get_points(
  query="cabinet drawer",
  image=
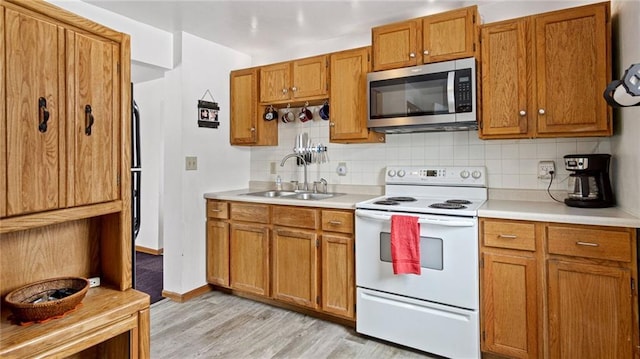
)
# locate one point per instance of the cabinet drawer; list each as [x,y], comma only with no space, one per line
[509,234]
[337,221]
[296,217]
[217,209]
[590,243]
[256,213]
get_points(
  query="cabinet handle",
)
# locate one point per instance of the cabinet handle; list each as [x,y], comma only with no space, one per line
[332,124]
[284,91]
[88,120]
[215,210]
[412,55]
[337,223]
[425,52]
[541,111]
[253,129]
[43,114]
[507,236]
[523,113]
[294,89]
[588,244]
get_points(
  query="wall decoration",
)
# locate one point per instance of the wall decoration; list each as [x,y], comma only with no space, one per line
[208,112]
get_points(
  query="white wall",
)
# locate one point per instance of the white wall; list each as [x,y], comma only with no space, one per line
[625,145]
[204,65]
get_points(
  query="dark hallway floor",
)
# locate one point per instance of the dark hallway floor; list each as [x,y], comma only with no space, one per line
[149,275]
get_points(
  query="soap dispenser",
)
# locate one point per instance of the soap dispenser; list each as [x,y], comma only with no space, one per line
[278,183]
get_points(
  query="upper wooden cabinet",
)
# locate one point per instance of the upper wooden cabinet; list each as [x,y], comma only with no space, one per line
[348,122]
[299,80]
[247,126]
[543,76]
[446,36]
[63,114]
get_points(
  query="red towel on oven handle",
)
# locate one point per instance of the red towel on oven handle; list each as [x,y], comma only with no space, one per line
[405,244]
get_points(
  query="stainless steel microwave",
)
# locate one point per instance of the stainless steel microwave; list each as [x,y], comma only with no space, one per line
[432,97]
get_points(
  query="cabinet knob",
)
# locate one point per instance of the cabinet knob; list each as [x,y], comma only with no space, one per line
[425,52]
[541,111]
[294,89]
[523,113]
[253,129]
[332,124]
[284,91]
[412,55]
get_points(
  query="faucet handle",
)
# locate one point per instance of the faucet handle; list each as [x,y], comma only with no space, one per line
[324,184]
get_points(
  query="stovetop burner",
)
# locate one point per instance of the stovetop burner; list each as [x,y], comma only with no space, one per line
[386,202]
[458,201]
[448,205]
[401,199]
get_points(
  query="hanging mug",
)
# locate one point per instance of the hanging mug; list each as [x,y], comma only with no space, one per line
[270,113]
[305,114]
[324,111]
[288,116]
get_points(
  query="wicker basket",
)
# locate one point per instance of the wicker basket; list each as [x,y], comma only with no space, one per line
[49,298]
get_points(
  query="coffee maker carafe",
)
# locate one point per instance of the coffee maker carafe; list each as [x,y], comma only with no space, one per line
[589,185]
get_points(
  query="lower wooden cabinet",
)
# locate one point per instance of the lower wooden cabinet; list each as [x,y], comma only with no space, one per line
[295,263]
[302,256]
[249,258]
[558,290]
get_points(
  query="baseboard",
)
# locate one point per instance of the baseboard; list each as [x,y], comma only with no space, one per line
[181,298]
[155,252]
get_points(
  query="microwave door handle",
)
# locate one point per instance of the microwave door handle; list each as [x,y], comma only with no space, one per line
[451,91]
[438,222]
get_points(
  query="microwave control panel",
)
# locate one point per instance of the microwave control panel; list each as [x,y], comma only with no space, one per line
[463,90]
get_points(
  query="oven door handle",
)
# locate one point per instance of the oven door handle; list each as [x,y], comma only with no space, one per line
[440,222]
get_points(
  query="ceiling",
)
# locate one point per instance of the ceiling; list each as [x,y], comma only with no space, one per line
[256,27]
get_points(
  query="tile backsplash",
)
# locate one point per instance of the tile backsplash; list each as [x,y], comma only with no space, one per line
[510,163]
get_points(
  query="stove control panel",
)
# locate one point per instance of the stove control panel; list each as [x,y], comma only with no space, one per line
[471,176]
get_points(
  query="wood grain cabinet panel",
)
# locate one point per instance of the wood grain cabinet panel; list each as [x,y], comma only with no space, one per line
[35,159]
[217,209]
[337,221]
[590,243]
[395,45]
[246,124]
[543,75]
[295,266]
[249,258]
[300,217]
[250,212]
[338,277]
[218,252]
[298,80]
[509,234]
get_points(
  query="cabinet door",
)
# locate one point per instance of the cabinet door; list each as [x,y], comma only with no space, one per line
[349,97]
[244,99]
[450,35]
[249,258]
[274,82]
[338,280]
[34,70]
[506,61]
[93,97]
[573,67]
[295,261]
[589,311]
[310,77]
[395,45]
[509,300]
[218,252]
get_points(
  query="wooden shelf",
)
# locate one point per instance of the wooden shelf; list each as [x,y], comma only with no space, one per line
[104,314]
[21,223]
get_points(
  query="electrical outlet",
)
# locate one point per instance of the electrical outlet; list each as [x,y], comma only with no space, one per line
[94,282]
[272,168]
[544,167]
[191,163]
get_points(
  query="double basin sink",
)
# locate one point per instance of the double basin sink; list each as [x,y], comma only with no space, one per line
[309,196]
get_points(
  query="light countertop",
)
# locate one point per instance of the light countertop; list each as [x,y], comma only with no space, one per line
[345,201]
[557,212]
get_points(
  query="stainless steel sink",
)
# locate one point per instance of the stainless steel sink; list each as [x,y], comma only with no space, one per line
[307,196]
[271,194]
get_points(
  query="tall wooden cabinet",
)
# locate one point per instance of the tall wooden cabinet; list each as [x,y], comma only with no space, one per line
[246,125]
[446,36]
[542,76]
[65,192]
[558,290]
[348,93]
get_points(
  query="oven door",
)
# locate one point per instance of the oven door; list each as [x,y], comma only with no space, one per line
[449,258]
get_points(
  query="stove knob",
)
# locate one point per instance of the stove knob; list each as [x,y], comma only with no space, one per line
[476,174]
[401,173]
[391,173]
[464,174]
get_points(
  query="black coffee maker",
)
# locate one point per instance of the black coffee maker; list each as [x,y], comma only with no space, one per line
[589,185]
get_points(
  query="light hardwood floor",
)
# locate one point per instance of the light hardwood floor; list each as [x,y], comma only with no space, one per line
[218,325]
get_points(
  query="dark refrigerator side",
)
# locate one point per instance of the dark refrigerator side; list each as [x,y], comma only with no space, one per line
[136,182]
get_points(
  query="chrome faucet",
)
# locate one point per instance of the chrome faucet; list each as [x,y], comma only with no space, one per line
[305,186]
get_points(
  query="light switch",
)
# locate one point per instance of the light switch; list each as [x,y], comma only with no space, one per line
[191,163]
